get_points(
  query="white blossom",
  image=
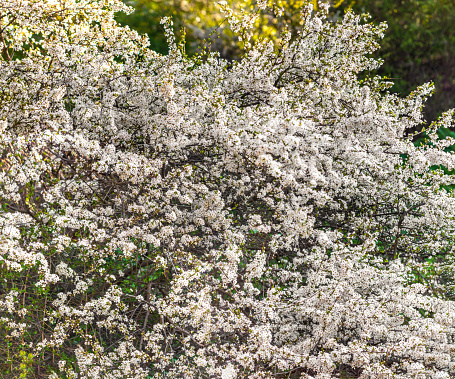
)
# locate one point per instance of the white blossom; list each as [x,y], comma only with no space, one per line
[169,216]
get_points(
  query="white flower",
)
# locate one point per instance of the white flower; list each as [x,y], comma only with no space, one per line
[213,218]
[228,372]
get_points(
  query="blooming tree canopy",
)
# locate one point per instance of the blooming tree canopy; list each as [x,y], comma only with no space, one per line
[190,217]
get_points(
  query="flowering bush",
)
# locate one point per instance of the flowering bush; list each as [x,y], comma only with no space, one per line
[189,217]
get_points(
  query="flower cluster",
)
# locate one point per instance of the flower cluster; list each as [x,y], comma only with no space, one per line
[174,216]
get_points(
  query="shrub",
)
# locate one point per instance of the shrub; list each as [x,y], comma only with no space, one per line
[173,216]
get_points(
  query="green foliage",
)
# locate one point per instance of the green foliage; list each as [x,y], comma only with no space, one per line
[195,18]
[418,46]
[146,20]
[202,22]
[19,365]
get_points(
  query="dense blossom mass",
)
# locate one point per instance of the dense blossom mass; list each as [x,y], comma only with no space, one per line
[166,216]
